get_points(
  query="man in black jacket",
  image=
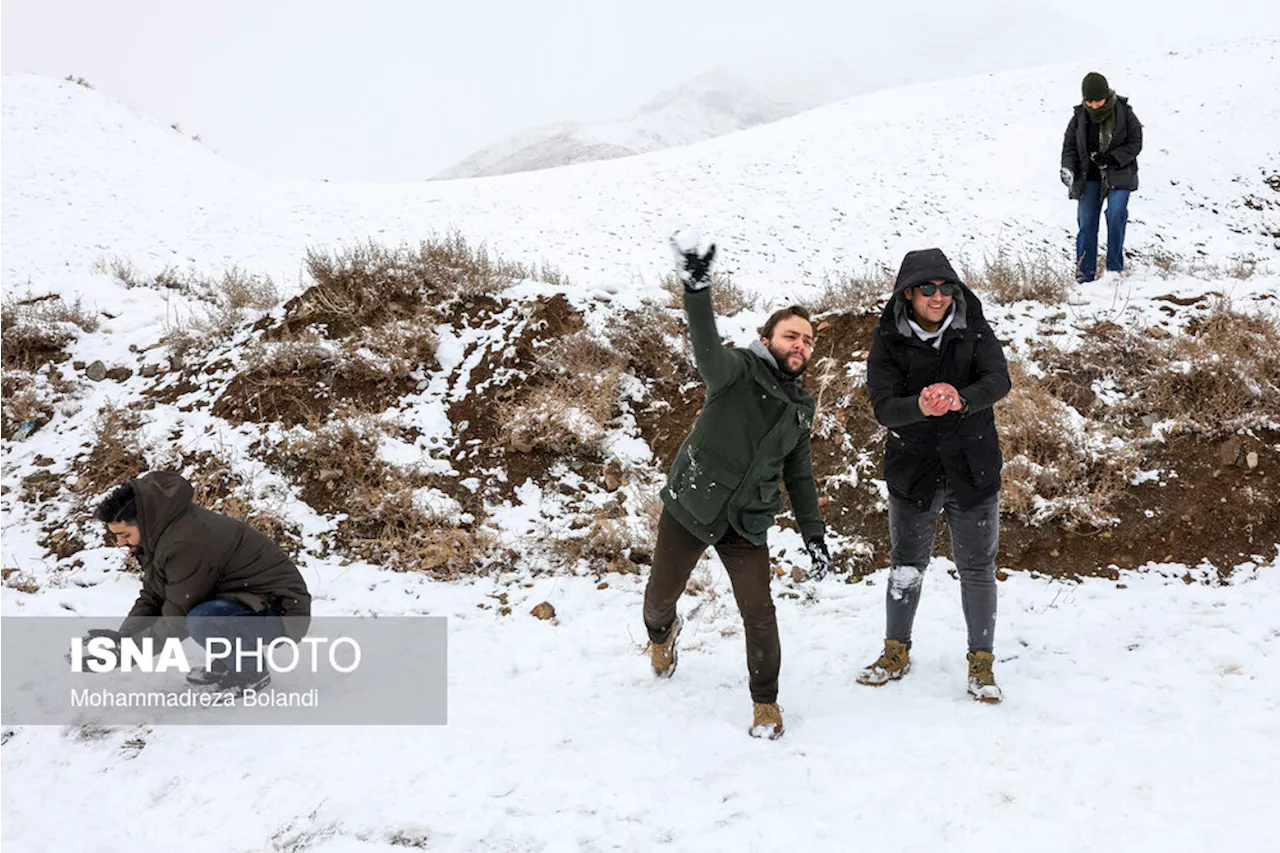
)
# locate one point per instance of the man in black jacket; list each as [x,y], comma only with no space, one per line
[1100,159]
[934,373]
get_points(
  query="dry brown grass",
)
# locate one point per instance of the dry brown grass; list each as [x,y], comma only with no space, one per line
[1223,375]
[368,282]
[616,544]
[727,298]
[854,293]
[386,522]
[574,396]
[35,331]
[23,403]
[301,381]
[1036,278]
[1051,470]
[116,453]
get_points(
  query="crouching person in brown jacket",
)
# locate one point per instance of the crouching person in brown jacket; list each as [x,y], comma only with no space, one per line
[207,576]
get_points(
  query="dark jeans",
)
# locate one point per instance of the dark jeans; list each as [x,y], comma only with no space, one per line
[975,537]
[1088,213]
[674,557]
[228,620]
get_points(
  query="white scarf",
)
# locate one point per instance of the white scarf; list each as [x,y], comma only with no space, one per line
[935,337]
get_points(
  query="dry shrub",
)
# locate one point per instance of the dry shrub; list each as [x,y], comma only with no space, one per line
[399,533]
[300,382]
[23,404]
[115,455]
[575,395]
[1052,471]
[1222,375]
[653,342]
[386,522]
[727,298]
[34,331]
[367,283]
[850,293]
[1037,278]
[609,545]
[230,299]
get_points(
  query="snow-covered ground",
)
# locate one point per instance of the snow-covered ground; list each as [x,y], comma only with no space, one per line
[1140,713]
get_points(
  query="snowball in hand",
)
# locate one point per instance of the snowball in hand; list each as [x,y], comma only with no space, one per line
[687,240]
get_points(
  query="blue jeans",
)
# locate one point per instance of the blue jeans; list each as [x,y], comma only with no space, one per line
[221,618]
[1088,212]
[975,538]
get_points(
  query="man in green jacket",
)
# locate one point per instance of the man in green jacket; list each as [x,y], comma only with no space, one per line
[722,488]
[204,575]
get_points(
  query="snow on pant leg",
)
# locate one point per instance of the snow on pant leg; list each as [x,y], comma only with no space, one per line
[912,531]
[1088,212]
[1117,219]
[975,538]
[748,568]
[674,556]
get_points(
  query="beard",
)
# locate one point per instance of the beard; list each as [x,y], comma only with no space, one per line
[783,358]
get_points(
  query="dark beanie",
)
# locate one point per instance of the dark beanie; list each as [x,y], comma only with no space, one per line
[1094,87]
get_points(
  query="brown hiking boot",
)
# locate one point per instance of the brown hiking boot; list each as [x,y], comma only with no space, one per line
[893,663]
[767,721]
[664,656]
[982,681]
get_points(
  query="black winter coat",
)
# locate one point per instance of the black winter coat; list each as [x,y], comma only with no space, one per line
[963,447]
[1126,143]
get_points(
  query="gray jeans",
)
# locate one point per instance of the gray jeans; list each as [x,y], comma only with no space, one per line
[975,537]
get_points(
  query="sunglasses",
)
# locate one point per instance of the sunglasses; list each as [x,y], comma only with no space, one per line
[930,289]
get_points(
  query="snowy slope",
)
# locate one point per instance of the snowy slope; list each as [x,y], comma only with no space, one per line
[1140,711]
[708,106]
[834,188]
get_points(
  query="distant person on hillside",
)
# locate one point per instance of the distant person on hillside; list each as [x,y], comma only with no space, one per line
[722,489]
[1100,160]
[934,374]
[204,574]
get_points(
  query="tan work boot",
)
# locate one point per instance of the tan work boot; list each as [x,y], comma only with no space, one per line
[982,681]
[893,663]
[768,721]
[664,656]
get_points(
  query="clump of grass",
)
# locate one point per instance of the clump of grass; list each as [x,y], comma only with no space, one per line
[1052,470]
[1034,277]
[575,394]
[727,298]
[35,331]
[854,293]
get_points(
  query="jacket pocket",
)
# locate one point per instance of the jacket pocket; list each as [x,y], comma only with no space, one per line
[703,485]
[982,453]
[761,513]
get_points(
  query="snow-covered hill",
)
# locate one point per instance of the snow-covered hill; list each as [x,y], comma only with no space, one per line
[711,105]
[839,187]
[1129,695]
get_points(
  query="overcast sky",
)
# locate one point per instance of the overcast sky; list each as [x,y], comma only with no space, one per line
[380,90]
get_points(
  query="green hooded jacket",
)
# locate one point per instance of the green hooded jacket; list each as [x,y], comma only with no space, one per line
[754,428]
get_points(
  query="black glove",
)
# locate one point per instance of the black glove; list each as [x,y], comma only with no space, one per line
[820,558]
[1109,160]
[114,636]
[694,269]
[1068,176]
